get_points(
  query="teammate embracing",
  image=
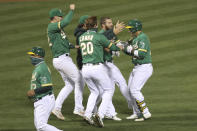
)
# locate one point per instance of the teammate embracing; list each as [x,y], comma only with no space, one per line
[139,48]
[60,47]
[110,32]
[91,45]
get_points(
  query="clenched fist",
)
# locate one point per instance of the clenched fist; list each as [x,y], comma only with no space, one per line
[72,6]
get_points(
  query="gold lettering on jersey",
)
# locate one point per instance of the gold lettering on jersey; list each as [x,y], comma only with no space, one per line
[63,34]
[86,38]
[135,46]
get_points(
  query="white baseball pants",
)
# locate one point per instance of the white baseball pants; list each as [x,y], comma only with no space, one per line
[99,84]
[42,111]
[72,78]
[118,79]
[137,79]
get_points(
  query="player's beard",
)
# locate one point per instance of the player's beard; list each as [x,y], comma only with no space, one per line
[108,27]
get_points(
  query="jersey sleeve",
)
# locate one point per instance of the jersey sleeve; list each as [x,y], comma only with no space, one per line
[67,19]
[107,44]
[53,27]
[142,48]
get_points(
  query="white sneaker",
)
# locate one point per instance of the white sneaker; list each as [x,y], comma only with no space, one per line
[99,120]
[115,118]
[131,117]
[58,114]
[80,113]
[147,115]
[144,117]
[88,120]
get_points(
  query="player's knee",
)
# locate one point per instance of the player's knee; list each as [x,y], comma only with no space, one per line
[134,92]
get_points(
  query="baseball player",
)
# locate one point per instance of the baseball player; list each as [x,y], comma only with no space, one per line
[60,47]
[91,45]
[78,32]
[41,90]
[113,71]
[139,48]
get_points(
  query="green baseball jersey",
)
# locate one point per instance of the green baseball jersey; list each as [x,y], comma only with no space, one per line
[142,51]
[57,38]
[41,77]
[109,34]
[92,44]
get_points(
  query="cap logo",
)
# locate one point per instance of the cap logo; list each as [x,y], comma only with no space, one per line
[129,27]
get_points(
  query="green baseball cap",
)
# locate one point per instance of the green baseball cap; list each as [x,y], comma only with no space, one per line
[134,25]
[55,12]
[37,51]
[82,19]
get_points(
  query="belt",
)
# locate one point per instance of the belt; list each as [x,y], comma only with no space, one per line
[92,63]
[137,64]
[39,98]
[66,54]
[108,61]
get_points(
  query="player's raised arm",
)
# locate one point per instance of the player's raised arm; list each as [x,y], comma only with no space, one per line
[67,19]
[57,21]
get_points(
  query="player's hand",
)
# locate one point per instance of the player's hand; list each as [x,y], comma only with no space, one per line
[118,27]
[130,49]
[107,49]
[72,6]
[31,93]
[120,46]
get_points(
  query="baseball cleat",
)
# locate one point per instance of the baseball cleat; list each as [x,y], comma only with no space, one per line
[115,118]
[58,114]
[139,119]
[88,120]
[133,116]
[147,115]
[80,113]
[99,121]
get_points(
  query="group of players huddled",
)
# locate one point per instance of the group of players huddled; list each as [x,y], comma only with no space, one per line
[95,52]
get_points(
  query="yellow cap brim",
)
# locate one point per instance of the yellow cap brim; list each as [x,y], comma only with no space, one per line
[129,27]
[31,53]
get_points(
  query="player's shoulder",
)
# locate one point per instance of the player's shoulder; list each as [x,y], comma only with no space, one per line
[101,31]
[41,67]
[143,37]
[99,34]
[51,26]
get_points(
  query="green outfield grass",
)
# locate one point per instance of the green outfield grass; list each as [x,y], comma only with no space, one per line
[170,93]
